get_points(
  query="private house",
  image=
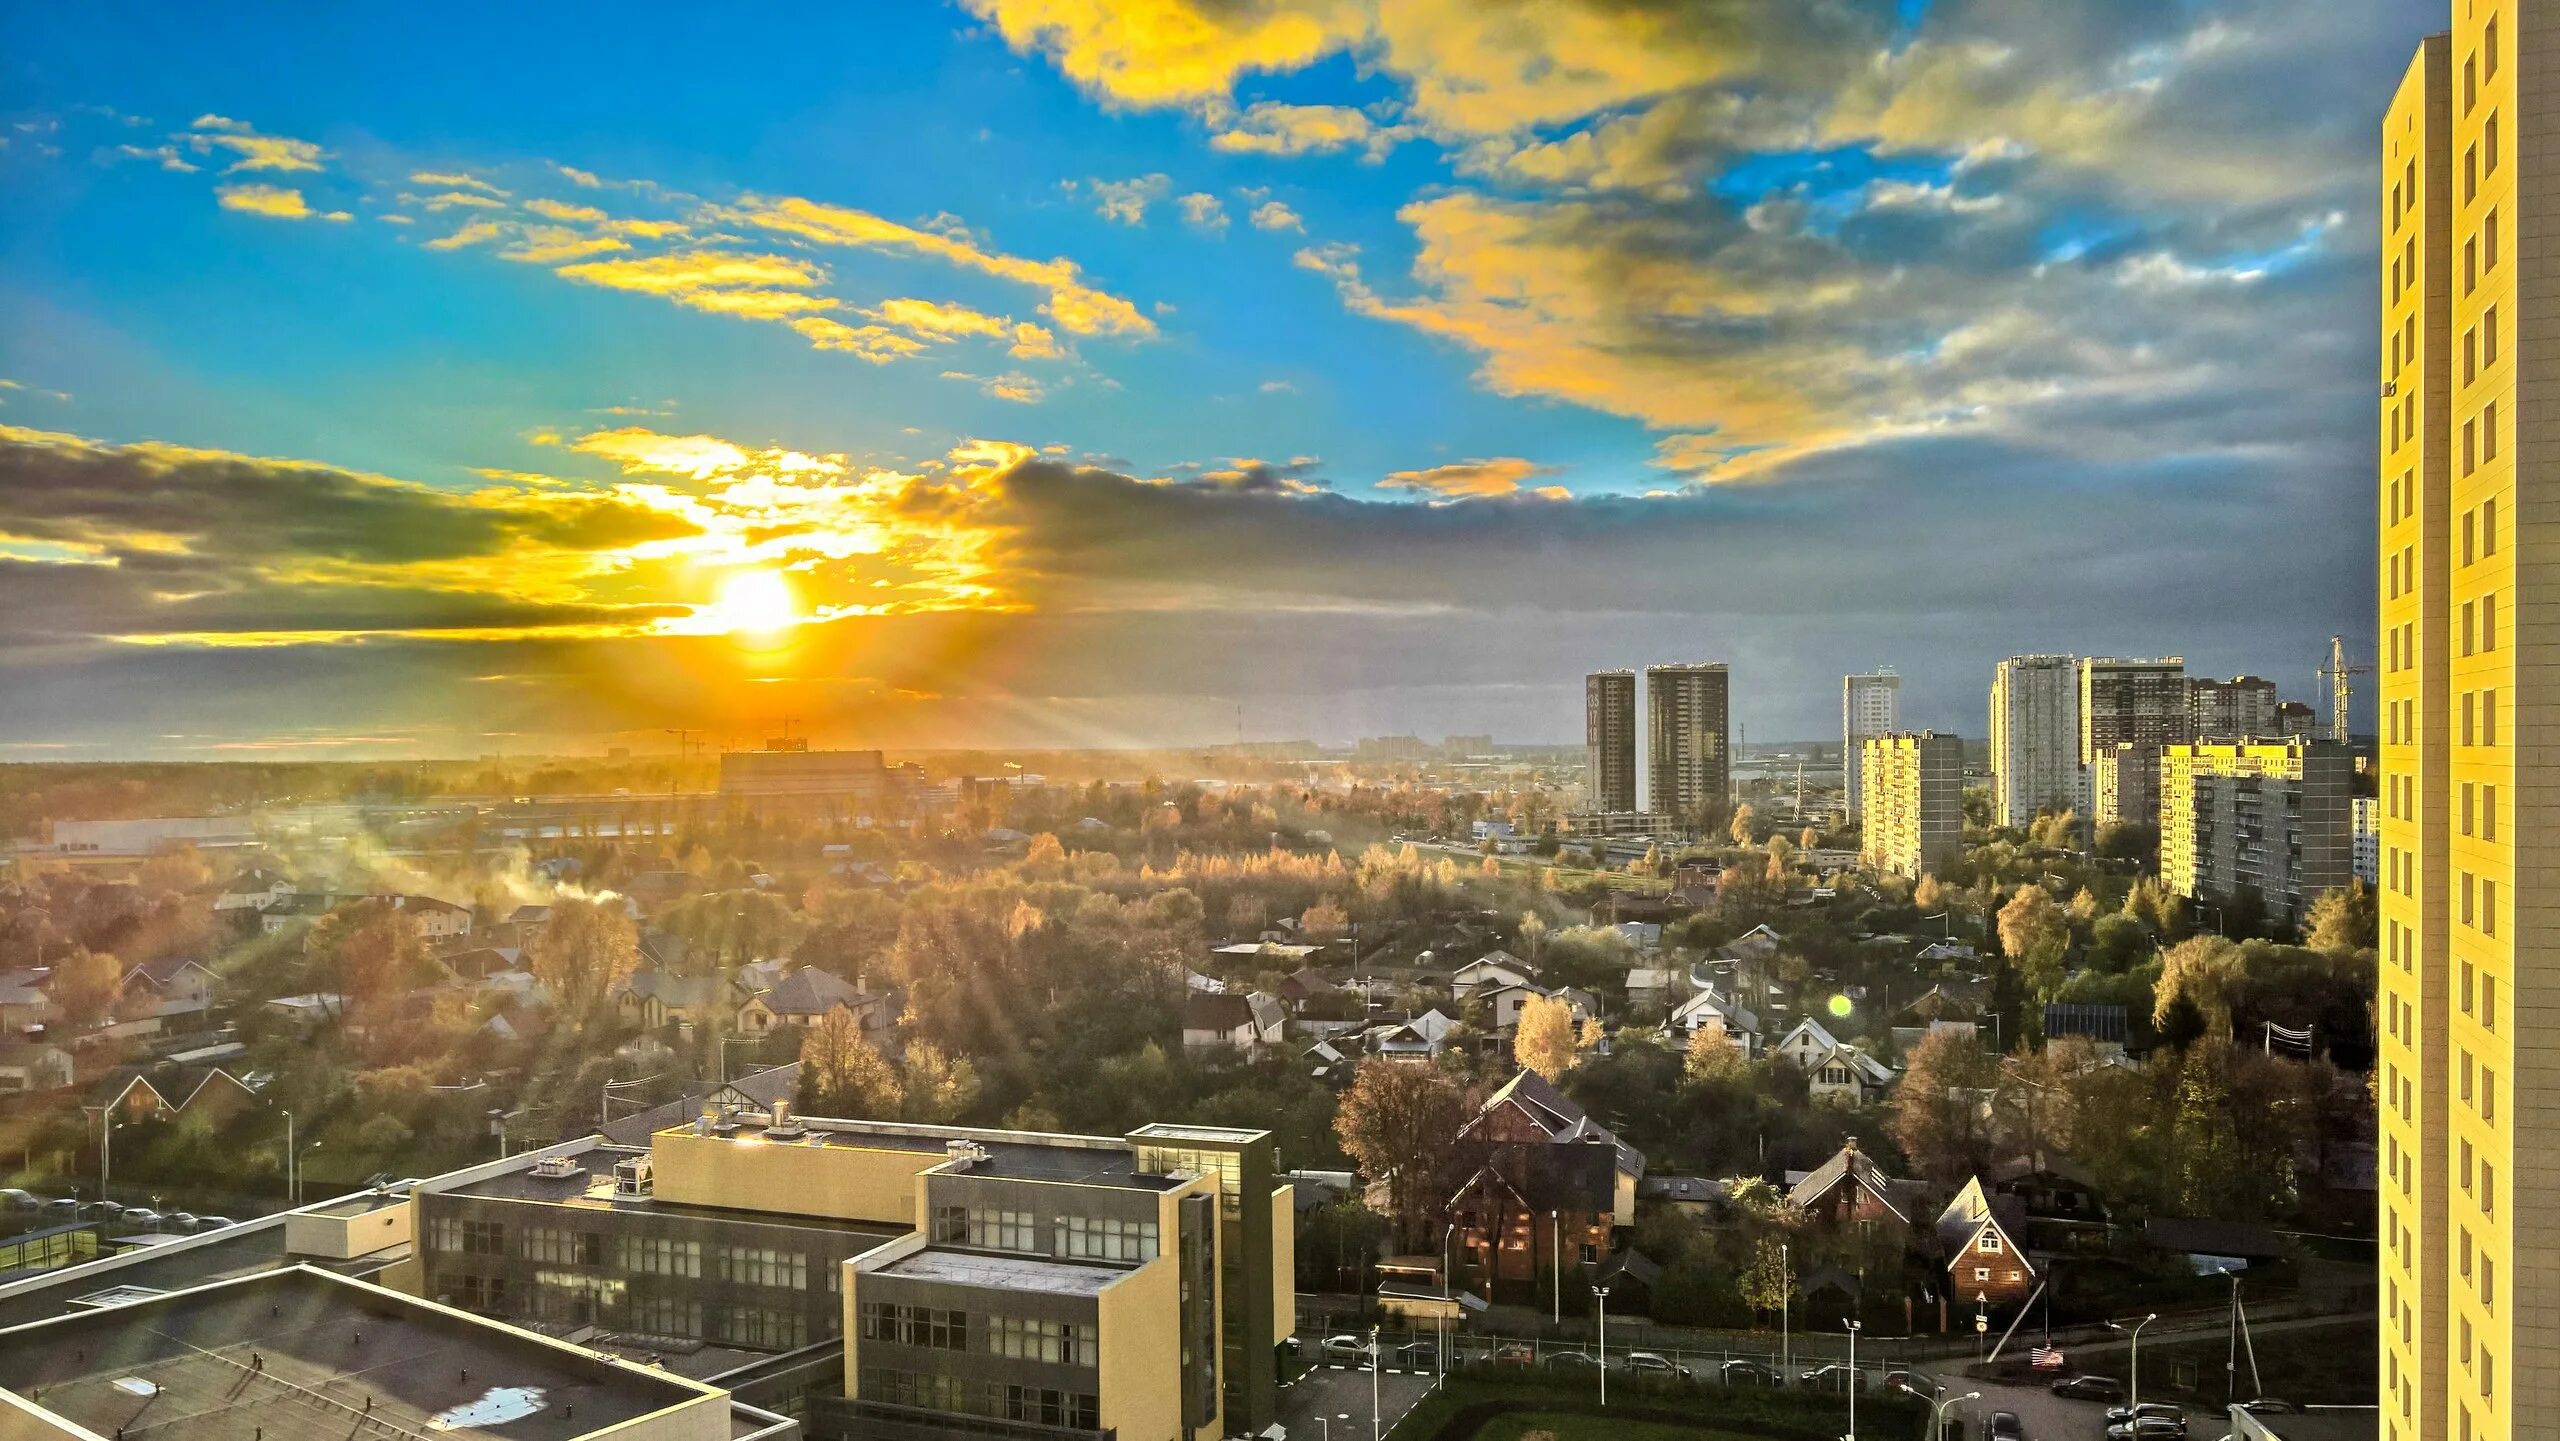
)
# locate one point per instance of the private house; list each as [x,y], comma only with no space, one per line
[1833,1068]
[1243,1023]
[24,1004]
[174,978]
[1653,987]
[26,1068]
[1695,1197]
[254,889]
[435,920]
[650,999]
[1983,1238]
[1301,986]
[804,995]
[1756,946]
[1708,1009]
[1492,971]
[1504,1003]
[1552,1190]
[1851,1189]
[1418,1038]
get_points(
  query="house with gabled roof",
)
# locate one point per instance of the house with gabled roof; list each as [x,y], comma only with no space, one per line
[1552,1190]
[1711,1009]
[1416,1038]
[174,978]
[1851,1187]
[1491,971]
[803,996]
[1834,1069]
[1982,1237]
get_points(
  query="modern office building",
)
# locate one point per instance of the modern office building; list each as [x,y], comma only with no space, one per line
[2469,1081]
[2035,736]
[787,778]
[2244,705]
[1914,803]
[2124,786]
[1609,733]
[2264,817]
[1688,729]
[1870,705]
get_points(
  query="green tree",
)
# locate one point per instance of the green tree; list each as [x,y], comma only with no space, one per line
[582,950]
[2207,974]
[2341,921]
[1399,1124]
[1937,1110]
[939,1087]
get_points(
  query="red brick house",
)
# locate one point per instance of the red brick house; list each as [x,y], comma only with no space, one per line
[1551,1190]
[1851,1187]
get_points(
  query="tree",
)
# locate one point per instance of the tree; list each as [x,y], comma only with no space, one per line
[840,1073]
[1765,1284]
[2206,973]
[174,872]
[1937,1108]
[1045,859]
[2036,934]
[939,1086]
[367,951]
[1543,1040]
[2341,921]
[2117,943]
[581,951]
[1929,897]
[85,985]
[1808,838]
[1712,1056]
[1743,821]
[1399,1124]
[1323,921]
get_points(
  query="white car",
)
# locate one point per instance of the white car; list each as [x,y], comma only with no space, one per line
[1349,1350]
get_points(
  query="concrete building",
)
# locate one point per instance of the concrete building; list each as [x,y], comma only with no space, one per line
[2367,812]
[1914,803]
[1609,731]
[786,778]
[1870,705]
[2124,786]
[1688,729]
[2131,702]
[2469,1077]
[2263,816]
[2035,736]
[2244,705]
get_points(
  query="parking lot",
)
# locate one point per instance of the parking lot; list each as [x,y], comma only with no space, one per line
[1331,1402]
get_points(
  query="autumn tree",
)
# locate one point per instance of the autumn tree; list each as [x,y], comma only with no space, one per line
[2036,934]
[1712,1056]
[174,872]
[85,985]
[840,1073]
[2204,972]
[1045,860]
[1808,838]
[1399,1123]
[2340,921]
[1543,1040]
[365,952]
[582,950]
[1937,1110]
[938,1087]
[1766,1282]
[1323,921]
[1929,897]
[1744,820]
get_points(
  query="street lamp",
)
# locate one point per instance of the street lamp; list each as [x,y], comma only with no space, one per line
[2135,1383]
[1853,1383]
[1938,1411]
[1602,1293]
[107,1127]
[1786,1312]
[1448,1309]
[1377,1362]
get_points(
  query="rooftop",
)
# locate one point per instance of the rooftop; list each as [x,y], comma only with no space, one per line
[1026,1155]
[1002,1272]
[301,1355]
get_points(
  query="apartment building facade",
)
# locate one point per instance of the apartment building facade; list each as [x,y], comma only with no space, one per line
[2270,818]
[1609,732]
[1914,803]
[2035,736]
[2244,705]
[2470,1087]
[1688,718]
[1870,705]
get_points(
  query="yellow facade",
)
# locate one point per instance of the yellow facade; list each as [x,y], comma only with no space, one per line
[2467,1080]
[1139,1328]
[792,1178]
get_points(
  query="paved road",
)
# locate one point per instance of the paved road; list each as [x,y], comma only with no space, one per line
[1331,1403]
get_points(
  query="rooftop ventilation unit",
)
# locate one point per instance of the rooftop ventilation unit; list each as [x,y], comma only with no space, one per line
[963,1153]
[558,1168]
[631,1178]
[783,1123]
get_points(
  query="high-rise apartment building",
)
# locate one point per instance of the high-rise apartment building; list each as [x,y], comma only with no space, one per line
[2469,1085]
[1914,803]
[1870,705]
[2244,705]
[1609,732]
[2264,817]
[2131,702]
[1688,715]
[2124,786]
[2035,736]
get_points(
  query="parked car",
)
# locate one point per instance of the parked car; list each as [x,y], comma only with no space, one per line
[17,1200]
[1515,1354]
[2005,1427]
[2148,1428]
[1351,1350]
[1571,1360]
[1920,1381]
[101,1210]
[2117,1415]
[1650,1363]
[142,1216]
[2090,1388]
[1834,1376]
[62,1206]
[214,1223]
[2269,1406]
[1418,1356]
[1750,1373]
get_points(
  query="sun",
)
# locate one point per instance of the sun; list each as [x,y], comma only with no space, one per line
[756,602]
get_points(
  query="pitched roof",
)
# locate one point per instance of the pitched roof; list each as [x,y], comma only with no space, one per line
[763,1088]
[810,991]
[1553,1113]
[671,990]
[164,969]
[1202,1011]
[1849,1167]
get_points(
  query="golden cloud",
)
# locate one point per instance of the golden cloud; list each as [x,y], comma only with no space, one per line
[1076,306]
[1474,479]
[256,151]
[276,202]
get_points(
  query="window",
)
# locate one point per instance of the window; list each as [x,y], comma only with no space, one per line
[2489,1002]
[757,1328]
[2470,357]
[1107,1239]
[2488,1095]
[2489,526]
[2467,974]
[484,1238]
[2489,621]
[2489,47]
[2470,533]
[1988,1243]
[1057,1342]
[761,1266]
[2468,618]
[950,1225]
[2489,144]
[2489,336]
[2489,717]
[559,1246]
[1002,1230]
[2489,430]
[2470,84]
[2489,239]
[1982,1273]
[2470,270]
[2488,813]
[2466,824]
[2471,174]
[2470,717]
[659,1256]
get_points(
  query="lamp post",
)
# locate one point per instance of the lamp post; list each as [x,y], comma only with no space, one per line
[1555,1262]
[1601,1293]
[2135,1381]
[1853,1383]
[1938,1410]
[1786,1312]
[1448,1308]
[290,1189]
[106,1144]
[1376,1362]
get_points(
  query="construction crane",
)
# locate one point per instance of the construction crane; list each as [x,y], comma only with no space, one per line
[2337,672]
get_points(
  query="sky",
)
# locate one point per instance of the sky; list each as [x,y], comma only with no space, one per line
[433,381]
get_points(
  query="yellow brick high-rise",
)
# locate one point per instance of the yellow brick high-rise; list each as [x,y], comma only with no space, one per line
[2469,1075]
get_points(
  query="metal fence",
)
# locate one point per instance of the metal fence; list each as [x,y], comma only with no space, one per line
[1412,1351]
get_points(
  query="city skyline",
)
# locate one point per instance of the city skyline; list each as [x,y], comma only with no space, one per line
[1154,383]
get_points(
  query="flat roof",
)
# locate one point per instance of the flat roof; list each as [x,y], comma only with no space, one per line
[1004,1272]
[302,1355]
[592,1190]
[1018,1155]
[1224,1135]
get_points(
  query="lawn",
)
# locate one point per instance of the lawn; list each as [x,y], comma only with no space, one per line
[1566,1426]
[1530,1407]
[2326,1366]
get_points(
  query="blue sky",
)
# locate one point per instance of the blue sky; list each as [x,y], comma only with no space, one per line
[1371,366]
